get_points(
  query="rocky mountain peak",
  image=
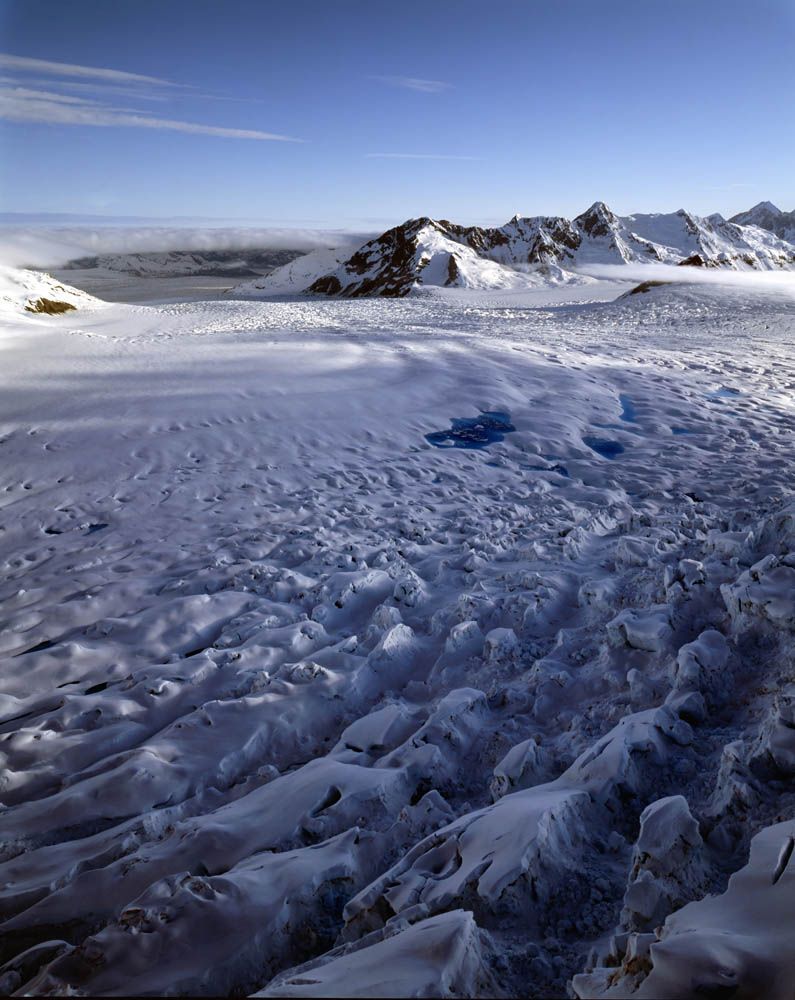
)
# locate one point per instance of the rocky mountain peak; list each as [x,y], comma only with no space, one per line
[597,220]
[768,216]
[767,206]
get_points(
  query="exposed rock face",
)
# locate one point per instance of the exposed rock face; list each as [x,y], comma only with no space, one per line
[50,306]
[646,286]
[598,220]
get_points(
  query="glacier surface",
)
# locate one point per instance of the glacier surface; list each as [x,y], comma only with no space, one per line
[294,703]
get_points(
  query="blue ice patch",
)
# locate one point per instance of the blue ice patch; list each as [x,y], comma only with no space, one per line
[473,432]
[628,412]
[608,449]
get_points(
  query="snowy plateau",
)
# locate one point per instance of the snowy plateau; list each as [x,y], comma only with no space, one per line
[413,620]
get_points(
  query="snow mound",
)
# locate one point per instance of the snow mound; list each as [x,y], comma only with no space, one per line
[24,292]
[515,855]
[203,935]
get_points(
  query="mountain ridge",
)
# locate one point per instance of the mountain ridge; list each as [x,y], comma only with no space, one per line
[530,250]
[768,216]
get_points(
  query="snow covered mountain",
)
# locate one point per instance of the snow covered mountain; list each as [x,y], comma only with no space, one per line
[422,252]
[242,263]
[677,238]
[768,216]
[527,251]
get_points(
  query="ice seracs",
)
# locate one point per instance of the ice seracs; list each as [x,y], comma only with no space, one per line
[439,957]
[735,944]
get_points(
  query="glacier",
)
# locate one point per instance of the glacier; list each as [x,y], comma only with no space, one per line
[294,703]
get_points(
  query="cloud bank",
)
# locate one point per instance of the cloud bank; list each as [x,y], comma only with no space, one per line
[23,246]
[760,281]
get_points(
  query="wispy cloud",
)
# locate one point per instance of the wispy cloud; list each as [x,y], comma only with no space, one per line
[98,87]
[414,83]
[21,102]
[25,65]
[417,156]
[58,109]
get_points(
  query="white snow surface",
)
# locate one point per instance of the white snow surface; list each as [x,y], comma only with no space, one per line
[293,702]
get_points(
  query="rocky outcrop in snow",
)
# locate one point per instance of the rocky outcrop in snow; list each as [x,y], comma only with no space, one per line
[34,293]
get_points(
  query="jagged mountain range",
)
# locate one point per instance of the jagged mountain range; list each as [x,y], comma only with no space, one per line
[525,251]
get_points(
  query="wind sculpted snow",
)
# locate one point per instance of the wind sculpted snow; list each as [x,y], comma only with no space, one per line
[293,702]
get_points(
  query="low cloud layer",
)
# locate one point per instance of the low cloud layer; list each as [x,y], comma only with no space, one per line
[761,281]
[54,246]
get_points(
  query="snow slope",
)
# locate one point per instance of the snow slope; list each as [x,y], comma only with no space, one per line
[296,276]
[293,701]
[23,292]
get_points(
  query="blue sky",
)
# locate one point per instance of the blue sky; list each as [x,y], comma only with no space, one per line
[465,110]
